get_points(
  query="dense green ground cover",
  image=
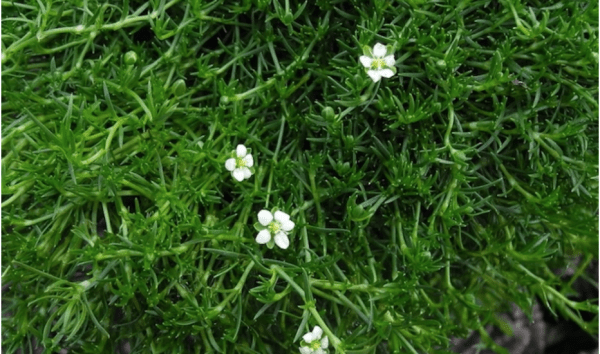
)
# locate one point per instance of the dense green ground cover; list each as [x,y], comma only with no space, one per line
[424,204]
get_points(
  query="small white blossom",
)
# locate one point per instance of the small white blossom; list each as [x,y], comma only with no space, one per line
[277,227]
[314,343]
[379,65]
[240,165]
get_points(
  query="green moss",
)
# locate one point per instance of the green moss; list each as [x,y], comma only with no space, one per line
[424,204]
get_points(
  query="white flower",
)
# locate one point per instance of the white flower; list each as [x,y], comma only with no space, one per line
[277,226]
[380,65]
[314,343]
[239,165]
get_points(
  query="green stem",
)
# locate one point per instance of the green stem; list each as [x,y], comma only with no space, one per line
[287,278]
[369,253]
[513,183]
[335,341]
[236,291]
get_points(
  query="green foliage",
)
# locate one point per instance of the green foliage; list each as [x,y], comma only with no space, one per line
[423,204]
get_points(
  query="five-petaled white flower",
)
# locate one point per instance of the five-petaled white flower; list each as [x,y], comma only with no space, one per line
[380,64]
[314,343]
[277,226]
[240,164]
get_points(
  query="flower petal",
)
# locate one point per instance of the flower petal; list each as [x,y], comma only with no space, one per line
[325,342]
[308,337]
[374,74]
[365,61]
[305,350]
[249,161]
[265,217]
[238,174]
[319,351]
[247,172]
[263,237]
[379,50]
[240,150]
[281,216]
[230,164]
[386,73]
[282,240]
[287,225]
[317,332]
[389,60]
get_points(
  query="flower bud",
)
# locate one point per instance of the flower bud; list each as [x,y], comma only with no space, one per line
[130,57]
[328,113]
[179,87]
[288,19]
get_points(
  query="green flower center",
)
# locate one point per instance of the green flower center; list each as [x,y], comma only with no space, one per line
[274,227]
[239,162]
[316,344]
[377,64]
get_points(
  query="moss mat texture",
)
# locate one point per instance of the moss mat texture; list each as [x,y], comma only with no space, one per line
[420,206]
